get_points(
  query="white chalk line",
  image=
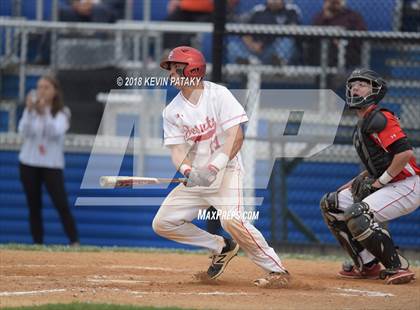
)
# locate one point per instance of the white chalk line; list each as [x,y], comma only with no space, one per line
[95,276]
[216,293]
[140,293]
[152,268]
[118,281]
[219,293]
[136,293]
[108,279]
[97,279]
[353,292]
[147,268]
[32,292]
[25,276]
[29,277]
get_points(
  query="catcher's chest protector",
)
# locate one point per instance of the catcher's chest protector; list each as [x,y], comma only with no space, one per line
[373,156]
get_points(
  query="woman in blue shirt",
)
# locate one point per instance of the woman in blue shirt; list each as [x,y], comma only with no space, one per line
[43,126]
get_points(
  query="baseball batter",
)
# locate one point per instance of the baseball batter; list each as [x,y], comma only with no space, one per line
[387,189]
[202,128]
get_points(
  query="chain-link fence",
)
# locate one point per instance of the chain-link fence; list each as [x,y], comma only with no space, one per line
[296,56]
[321,58]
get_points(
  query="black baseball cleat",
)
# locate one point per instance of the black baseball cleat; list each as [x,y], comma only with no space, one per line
[220,261]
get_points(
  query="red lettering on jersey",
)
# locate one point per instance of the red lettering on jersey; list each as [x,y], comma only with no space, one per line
[201,131]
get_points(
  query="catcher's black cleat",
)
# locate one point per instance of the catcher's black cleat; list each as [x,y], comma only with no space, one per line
[220,261]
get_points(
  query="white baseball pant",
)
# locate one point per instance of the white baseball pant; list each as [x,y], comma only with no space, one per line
[390,202]
[173,221]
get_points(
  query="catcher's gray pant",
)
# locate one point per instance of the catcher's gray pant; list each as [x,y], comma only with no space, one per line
[173,221]
[390,202]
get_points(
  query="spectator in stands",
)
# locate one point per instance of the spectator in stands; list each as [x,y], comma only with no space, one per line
[97,11]
[43,126]
[335,13]
[186,11]
[411,16]
[267,49]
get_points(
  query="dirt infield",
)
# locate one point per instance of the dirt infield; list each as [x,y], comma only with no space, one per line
[166,279]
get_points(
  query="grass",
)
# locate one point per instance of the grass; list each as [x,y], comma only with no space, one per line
[88,248]
[88,306]
[62,248]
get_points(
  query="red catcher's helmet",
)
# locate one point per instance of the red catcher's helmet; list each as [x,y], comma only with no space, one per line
[193,58]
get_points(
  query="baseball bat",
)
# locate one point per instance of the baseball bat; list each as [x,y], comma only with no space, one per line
[127,181]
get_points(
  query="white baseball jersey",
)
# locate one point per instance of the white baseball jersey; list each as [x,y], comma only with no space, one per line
[201,125]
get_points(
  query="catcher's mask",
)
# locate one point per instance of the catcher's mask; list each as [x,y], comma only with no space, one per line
[378,84]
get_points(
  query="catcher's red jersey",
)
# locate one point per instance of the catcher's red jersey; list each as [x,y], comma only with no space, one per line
[391,133]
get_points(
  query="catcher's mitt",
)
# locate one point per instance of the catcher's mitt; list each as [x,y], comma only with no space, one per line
[362,187]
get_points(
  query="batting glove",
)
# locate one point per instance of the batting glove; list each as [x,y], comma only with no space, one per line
[193,179]
[202,177]
[208,175]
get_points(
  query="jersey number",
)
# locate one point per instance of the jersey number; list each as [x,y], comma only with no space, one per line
[214,145]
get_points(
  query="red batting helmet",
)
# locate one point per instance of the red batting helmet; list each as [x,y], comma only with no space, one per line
[193,58]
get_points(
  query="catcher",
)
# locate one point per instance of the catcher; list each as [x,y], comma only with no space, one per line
[387,189]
